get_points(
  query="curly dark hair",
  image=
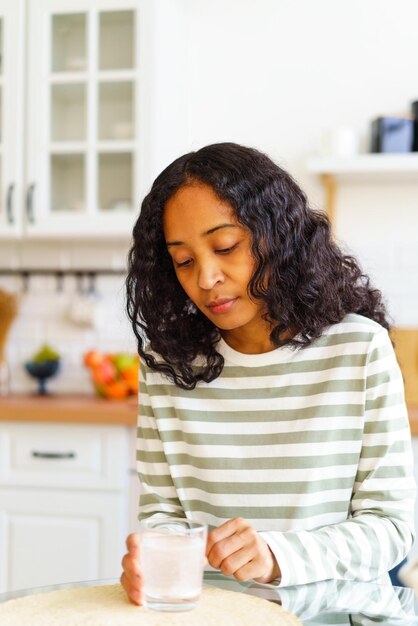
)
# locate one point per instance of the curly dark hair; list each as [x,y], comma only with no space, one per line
[304,278]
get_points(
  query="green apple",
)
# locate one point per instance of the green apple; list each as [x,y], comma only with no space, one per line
[46,353]
[123,361]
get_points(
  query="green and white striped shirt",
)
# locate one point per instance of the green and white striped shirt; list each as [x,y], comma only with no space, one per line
[311,446]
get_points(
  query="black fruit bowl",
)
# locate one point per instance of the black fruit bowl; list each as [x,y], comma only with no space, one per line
[42,371]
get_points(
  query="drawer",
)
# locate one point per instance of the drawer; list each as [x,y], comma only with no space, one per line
[64,455]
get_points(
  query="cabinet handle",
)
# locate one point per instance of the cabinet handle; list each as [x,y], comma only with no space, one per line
[53,455]
[9,203]
[29,203]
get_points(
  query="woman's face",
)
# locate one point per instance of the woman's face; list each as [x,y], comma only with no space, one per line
[212,258]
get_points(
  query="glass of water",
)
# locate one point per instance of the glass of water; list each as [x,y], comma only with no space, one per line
[172,556]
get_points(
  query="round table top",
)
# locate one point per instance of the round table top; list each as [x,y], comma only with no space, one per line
[325,602]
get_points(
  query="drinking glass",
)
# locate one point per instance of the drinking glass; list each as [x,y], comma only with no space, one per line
[172,555]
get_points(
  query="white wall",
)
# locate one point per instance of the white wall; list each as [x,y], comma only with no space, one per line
[275,74]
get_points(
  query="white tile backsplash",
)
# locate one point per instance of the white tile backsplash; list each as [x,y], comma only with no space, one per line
[407,259]
[44,317]
[393,268]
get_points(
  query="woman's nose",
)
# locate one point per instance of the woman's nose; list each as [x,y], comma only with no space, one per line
[209,275]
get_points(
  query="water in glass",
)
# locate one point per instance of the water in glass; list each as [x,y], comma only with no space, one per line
[171,557]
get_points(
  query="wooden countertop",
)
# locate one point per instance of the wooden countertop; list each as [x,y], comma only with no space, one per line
[413,419]
[90,410]
[86,409]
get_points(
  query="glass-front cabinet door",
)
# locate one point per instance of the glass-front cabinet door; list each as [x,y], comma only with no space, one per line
[11,116]
[84,145]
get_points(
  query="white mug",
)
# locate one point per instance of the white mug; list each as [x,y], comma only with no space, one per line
[339,142]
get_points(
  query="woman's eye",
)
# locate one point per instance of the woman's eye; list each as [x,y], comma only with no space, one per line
[188,262]
[226,250]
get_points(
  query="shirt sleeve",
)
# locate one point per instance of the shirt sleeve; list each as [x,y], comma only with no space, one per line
[379,532]
[158,496]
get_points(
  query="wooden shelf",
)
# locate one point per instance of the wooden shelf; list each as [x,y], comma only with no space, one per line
[68,408]
[366,164]
[370,167]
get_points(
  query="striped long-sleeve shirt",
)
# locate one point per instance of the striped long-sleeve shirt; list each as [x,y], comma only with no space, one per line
[312,446]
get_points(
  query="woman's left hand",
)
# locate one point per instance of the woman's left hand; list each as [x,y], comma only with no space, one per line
[237,549]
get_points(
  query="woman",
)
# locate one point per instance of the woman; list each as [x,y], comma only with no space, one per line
[271,403]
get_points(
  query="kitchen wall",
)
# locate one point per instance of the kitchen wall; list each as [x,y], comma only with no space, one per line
[277,75]
[274,75]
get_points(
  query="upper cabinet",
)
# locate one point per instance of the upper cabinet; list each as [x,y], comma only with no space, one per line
[72,138]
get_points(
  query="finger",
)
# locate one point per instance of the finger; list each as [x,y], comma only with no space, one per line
[226,529]
[249,571]
[132,544]
[236,561]
[221,550]
[131,567]
[134,593]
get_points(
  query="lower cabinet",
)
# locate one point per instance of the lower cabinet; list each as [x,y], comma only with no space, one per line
[49,537]
[65,502]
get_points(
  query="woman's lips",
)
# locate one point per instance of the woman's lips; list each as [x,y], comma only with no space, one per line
[224,306]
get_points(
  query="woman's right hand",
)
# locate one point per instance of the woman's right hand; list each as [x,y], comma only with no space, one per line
[131,578]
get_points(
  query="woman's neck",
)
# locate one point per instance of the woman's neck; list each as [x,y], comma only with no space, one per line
[248,343]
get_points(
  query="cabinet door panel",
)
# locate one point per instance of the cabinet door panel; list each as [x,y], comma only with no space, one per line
[48,548]
[50,538]
[84,147]
[11,116]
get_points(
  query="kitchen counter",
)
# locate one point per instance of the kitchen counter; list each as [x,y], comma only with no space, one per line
[413,419]
[90,410]
[86,409]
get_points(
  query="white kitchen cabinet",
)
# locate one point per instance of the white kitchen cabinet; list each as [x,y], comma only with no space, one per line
[54,537]
[84,145]
[93,99]
[64,502]
[85,102]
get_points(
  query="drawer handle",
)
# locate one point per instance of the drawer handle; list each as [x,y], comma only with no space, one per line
[53,455]
[29,203]
[9,203]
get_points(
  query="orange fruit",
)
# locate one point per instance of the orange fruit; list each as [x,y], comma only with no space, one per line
[132,386]
[130,373]
[92,358]
[116,390]
[104,373]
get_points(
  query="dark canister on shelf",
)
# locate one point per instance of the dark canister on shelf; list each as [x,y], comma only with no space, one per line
[392,134]
[414,107]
